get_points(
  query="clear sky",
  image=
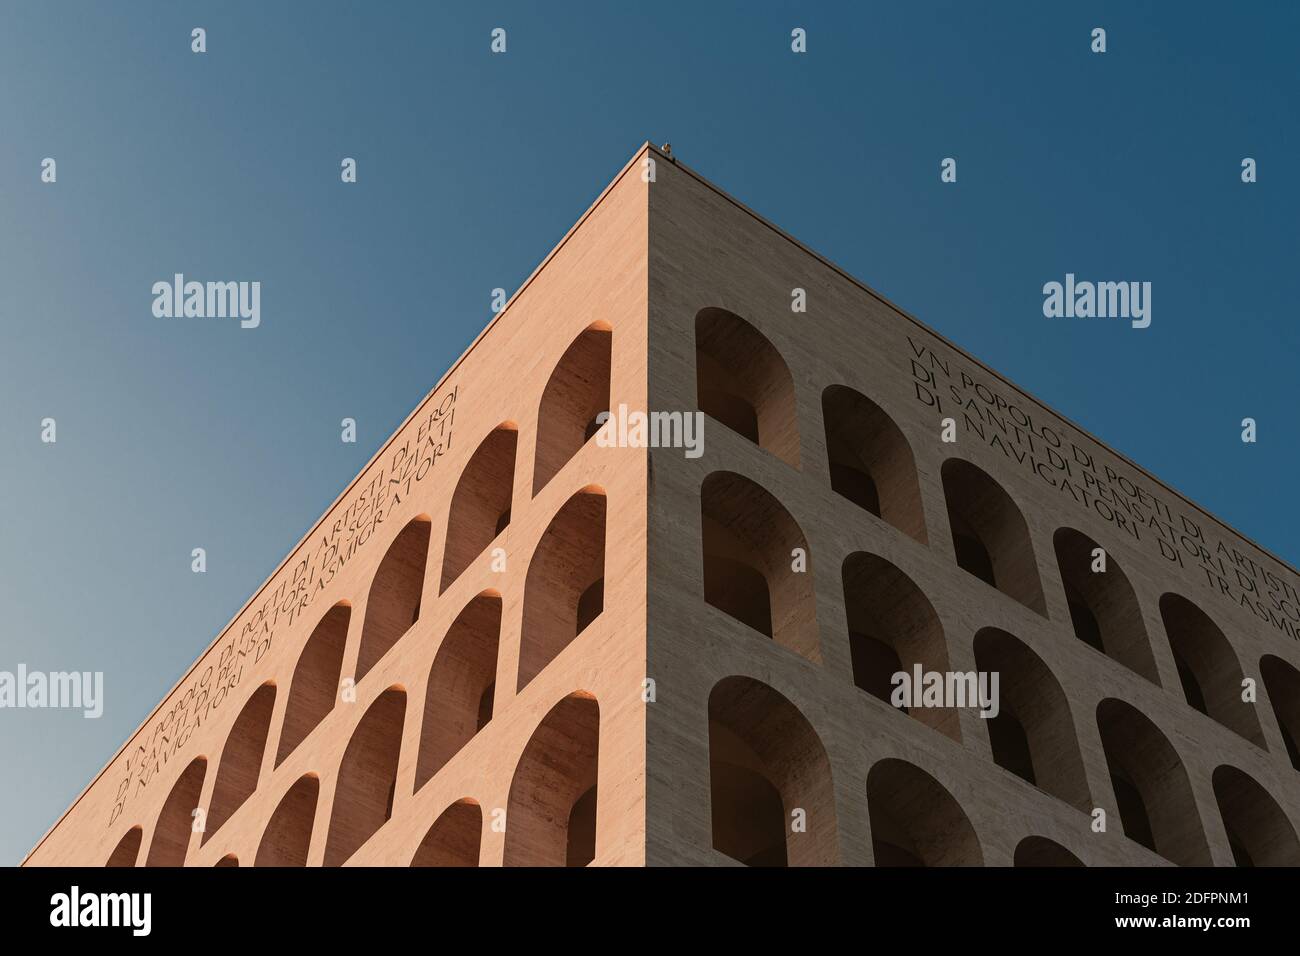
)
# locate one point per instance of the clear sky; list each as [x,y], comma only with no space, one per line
[177,434]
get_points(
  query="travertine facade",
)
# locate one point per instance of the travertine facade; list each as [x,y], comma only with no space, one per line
[501,586]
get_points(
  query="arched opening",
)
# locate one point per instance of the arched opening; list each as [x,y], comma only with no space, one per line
[892,629]
[287,836]
[316,676]
[1208,667]
[241,759]
[171,834]
[770,779]
[756,563]
[1258,830]
[915,821]
[871,462]
[1033,735]
[555,772]
[1010,745]
[1103,606]
[989,533]
[458,702]
[1282,684]
[563,576]
[480,505]
[742,382]
[363,796]
[1153,794]
[454,838]
[576,392]
[127,851]
[581,846]
[395,593]
[228,860]
[1040,851]
[1191,688]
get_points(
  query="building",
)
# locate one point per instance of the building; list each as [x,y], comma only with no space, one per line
[507,643]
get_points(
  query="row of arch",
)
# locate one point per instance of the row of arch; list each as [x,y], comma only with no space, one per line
[746,568]
[564,593]
[551,811]
[747,541]
[743,383]
[767,764]
[565,598]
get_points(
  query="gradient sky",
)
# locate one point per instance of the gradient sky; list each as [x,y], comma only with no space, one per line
[177,434]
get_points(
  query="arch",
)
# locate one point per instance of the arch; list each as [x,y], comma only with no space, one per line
[314,688]
[765,763]
[1040,851]
[1259,832]
[748,542]
[454,838]
[171,834]
[1282,684]
[1154,797]
[241,759]
[228,860]
[871,461]
[742,382]
[893,628]
[989,534]
[395,594]
[1033,734]
[576,392]
[287,837]
[556,770]
[564,589]
[127,851]
[1103,605]
[915,821]
[1208,667]
[458,702]
[367,779]
[480,505]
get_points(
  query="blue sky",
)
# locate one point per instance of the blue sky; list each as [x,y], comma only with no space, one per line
[181,434]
